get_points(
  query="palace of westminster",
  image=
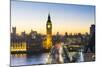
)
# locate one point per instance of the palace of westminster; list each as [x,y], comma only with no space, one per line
[37,41]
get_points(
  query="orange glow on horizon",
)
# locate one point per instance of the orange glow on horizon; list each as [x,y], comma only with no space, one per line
[54,32]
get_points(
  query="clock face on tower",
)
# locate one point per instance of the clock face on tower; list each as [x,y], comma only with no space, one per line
[48,26]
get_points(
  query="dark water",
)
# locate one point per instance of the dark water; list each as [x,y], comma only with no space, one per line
[24,59]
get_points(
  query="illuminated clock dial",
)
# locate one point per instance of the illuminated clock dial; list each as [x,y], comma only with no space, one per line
[48,26]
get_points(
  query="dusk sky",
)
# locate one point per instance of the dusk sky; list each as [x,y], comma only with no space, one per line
[65,17]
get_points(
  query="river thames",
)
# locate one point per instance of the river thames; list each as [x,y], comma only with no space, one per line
[23,59]
[38,59]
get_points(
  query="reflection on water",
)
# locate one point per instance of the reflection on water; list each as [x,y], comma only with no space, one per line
[24,59]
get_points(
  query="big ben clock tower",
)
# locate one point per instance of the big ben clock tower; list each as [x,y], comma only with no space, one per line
[49,33]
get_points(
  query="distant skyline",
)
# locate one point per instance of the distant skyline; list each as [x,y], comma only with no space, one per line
[65,17]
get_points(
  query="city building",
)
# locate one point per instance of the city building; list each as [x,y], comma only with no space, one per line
[92,29]
[90,47]
[14,30]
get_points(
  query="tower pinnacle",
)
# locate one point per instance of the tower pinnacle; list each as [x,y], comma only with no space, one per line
[49,18]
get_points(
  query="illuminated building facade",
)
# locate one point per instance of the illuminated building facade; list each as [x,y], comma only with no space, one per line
[48,42]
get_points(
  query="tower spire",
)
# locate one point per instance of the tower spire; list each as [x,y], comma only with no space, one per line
[49,18]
